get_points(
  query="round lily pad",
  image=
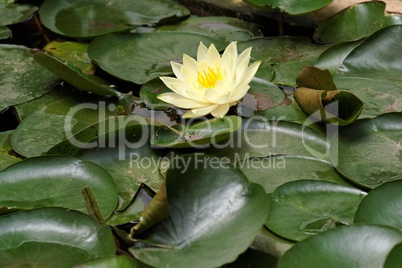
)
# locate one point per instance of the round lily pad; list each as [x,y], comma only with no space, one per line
[346,246]
[56,181]
[368,152]
[383,206]
[231,29]
[11,13]
[211,220]
[22,79]
[141,57]
[91,18]
[43,237]
[273,171]
[313,206]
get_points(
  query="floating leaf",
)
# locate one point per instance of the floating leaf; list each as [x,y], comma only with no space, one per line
[21,78]
[74,53]
[119,261]
[7,158]
[91,18]
[11,13]
[382,206]
[394,257]
[5,32]
[58,120]
[315,206]
[259,137]
[368,152]
[293,7]
[353,23]
[198,134]
[43,237]
[314,78]
[149,92]
[121,145]
[56,182]
[345,246]
[76,77]
[141,57]
[211,220]
[271,172]
[230,29]
[288,55]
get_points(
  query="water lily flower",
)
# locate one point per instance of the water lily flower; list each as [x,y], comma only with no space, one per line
[210,84]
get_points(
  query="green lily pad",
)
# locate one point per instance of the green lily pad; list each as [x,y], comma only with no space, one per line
[11,13]
[372,71]
[7,157]
[91,18]
[113,261]
[58,120]
[353,23]
[198,134]
[394,257]
[43,237]
[314,206]
[74,76]
[259,137]
[332,58]
[346,246]
[230,29]
[211,220]
[73,53]
[293,7]
[272,172]
[126,154]
[149,92]
[22,78]
[5,32]
[288,55]
[262,95]
[141,57]
[368,152]
[56,182]
[382,206]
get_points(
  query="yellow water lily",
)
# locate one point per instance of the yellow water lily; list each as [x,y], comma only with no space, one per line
[210,84]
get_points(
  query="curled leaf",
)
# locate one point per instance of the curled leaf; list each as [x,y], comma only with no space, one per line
[339,107]
[157,211]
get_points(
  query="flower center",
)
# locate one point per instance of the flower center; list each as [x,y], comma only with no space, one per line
[208,78]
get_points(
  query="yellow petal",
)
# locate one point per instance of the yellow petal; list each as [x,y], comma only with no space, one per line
[213,94]
[220,111]
[228,59]
[174,85]
[251,71]
[180,101]
[202,52]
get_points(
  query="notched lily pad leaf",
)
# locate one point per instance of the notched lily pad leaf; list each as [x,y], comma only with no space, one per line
[149,92]
[339,107]
[42,237]
[211,220]
[73,53]
[11,13]
[199,134]
[92,18]
[293,7]
[74,76]
[315,206]
[56,182]
[368,152]
[353,23]
[382,206]
[345,246]
[143,57]
[231,29]
[22,79]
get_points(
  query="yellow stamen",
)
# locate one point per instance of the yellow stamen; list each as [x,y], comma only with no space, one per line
[209,78]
